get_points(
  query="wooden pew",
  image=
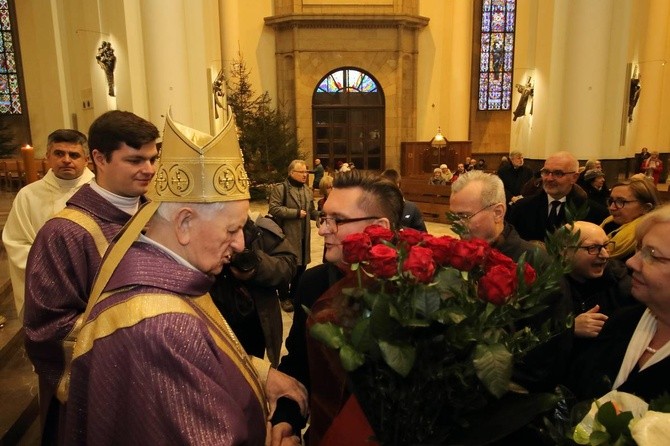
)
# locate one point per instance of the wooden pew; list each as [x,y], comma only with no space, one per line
[433,201]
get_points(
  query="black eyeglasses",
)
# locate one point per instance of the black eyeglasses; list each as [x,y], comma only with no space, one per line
[333,223]
[649,256]
[554,173]
[463,217]
[595,249]
[618,203]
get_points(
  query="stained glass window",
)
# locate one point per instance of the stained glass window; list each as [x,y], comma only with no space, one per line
[349,80]
[10,93]
[496,54]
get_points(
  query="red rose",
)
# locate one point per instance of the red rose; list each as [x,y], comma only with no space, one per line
[410,236]
[529,274]
[426,236]
[379,233]
[420,263]
[441,247]
[497,285]
[383,261]
[355,247]
[466,254]
[496,257]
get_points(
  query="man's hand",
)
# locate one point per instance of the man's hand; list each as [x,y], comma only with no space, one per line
[282,435]
[303,213]
[589,324]
[279,384]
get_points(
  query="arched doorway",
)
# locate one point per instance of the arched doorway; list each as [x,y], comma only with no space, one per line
[348,119]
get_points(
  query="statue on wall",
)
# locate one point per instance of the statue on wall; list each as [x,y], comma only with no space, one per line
[218,90]
[107,61]
[634,93]
[526,94]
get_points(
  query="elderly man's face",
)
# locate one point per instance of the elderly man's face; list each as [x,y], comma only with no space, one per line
[479,220]
[299,173]
[517,161]
[560,176]
[214,238]
[585,265]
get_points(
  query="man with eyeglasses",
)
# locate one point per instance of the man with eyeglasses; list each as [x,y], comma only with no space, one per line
[598,285]
[292,204]
[478,202]
[355,202]
[533,216]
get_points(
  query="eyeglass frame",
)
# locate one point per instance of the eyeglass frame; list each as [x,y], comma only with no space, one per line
[322,219]
[467,218]
[614,201]
[555,173]
[647,255]
[590,248]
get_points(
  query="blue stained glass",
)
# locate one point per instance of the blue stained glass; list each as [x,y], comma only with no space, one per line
[10,100]
[496,54]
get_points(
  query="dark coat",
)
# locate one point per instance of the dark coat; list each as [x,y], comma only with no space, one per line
[297,230]
[412,217]
[529,215]
[514,178]
[593,372]
[251,307]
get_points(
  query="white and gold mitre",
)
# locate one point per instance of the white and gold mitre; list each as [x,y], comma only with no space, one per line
[195,167]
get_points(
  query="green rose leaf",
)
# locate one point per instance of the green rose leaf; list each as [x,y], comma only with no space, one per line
[351,358]
[493,365]
[360,335]
[615,424]
[328,333]
[399,357]
[448,278]
[380,318]
[426,301]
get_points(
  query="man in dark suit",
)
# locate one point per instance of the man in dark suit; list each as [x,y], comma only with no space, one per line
[533,216]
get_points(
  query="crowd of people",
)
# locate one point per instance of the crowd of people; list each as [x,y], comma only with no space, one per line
[149,306]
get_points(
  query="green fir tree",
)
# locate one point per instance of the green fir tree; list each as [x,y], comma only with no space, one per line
[267,140]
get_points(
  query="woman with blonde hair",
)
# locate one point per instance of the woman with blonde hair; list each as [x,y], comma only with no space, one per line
[627,203]
[632,352]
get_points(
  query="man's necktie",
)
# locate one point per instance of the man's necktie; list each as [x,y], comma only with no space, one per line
[552,220]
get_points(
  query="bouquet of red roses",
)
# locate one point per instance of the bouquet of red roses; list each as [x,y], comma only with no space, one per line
[432,330]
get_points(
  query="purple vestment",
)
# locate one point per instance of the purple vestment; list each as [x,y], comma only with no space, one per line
[60,271]
[162,379]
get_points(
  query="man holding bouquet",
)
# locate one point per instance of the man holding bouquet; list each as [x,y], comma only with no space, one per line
[356,201]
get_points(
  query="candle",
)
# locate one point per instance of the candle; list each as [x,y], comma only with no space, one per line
[29,167]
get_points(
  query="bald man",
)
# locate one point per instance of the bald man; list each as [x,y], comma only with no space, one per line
[598,285]
[533,216]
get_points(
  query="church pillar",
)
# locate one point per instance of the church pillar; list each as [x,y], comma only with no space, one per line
[578,53]
[458,76]
[182,49]
[652,114]
[166,57]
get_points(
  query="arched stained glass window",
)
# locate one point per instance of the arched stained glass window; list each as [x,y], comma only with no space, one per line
[496,54]
[10,93]
[349,80]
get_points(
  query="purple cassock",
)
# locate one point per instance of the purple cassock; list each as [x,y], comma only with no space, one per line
[158,364]
[60,271]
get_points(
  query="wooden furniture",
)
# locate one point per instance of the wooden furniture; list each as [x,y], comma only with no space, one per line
[432,201]
[419,158]
[11,173]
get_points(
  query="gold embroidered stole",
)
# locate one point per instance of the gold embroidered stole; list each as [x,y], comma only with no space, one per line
[145,306]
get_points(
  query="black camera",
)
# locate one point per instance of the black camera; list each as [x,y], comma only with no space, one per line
[245,261]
